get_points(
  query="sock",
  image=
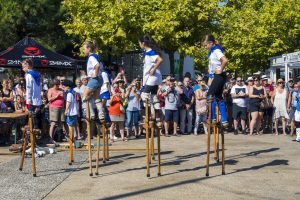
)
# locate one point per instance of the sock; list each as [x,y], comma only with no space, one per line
[298,134]
[99,107]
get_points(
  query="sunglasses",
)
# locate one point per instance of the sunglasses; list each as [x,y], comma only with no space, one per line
[291,81]
[199,80]
[256,80]
[280,82]
[238,80]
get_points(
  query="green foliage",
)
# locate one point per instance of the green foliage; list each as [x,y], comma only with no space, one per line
[38,19]
[254,30]
[175,25]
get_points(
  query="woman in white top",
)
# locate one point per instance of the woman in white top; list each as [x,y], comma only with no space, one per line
[279,100]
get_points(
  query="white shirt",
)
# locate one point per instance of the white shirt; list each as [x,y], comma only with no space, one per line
[133,102]
[236,89]
[90,67]
[106,82]
[33,91]
[73,108]
[149,61]
[215,61]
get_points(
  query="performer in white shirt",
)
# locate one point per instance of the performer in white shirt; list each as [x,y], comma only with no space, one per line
[95,80]
[33,89]
[152,76]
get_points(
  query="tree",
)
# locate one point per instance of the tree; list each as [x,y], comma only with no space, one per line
[253,30]
[175,25]
[39,19]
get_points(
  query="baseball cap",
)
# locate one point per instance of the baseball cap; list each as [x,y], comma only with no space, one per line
[249,79]
[264,77]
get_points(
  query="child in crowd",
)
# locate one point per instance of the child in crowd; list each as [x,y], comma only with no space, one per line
[45,115]
[19,104]
[71,111]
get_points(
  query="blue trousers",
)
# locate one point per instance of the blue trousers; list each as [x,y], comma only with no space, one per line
[222,108]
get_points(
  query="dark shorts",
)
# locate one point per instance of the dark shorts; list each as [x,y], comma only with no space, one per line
[171,115]
[239,112]
[151,89]
[255,107]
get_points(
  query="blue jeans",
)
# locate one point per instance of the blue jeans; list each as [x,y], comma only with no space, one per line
[222,108]
[132,116]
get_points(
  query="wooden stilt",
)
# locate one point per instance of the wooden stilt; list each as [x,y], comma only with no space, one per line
[88,121]
[106,145]
[223,152]
[158,152]
[71,145]
[217,133]
[152,141]
[32,141]
[147,138]
[23,149]
[103,145]
[208,136]
[98,149]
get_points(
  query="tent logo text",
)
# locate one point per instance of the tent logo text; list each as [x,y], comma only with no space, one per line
[32,51]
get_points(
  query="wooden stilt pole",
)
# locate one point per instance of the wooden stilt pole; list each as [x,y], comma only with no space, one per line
[223,152]
[152,140]
[98,148]
[23,149]
[147,137]
[208,136]
[158,152]
[106,145]
[103,145]
[71,145]
[217,133]
[88,121]
[32,141]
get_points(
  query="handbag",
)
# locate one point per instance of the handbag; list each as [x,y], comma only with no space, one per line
[266,103]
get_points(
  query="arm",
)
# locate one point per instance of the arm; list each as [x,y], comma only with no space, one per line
[50,97]
[29,92]
[67,107]
[137,96]
[97,69]
[117,77]
[159,60]
[251,95]
[273,97]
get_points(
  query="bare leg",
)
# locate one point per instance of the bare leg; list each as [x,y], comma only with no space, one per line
[51,130]
[254,116]
[235,122]
[276,126]
[121,127]
[112,131]
[167,128]
[283,125]
[175,128]
[292,127]
[243,122]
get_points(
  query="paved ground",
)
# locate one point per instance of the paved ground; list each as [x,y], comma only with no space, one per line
[257,167]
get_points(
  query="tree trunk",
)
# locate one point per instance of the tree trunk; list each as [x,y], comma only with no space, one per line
[181,67]
[171,58]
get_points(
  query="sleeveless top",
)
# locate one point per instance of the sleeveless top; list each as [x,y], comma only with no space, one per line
[7,103]
[256,92]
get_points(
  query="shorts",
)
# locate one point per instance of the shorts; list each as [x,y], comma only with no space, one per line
[57,114]
[151,89]
[171,115]
[239,112]
[105,96]
[255,107]
[71,120]
[268,112]
[95,83]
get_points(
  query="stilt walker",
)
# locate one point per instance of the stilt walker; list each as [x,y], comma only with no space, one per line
[216,82]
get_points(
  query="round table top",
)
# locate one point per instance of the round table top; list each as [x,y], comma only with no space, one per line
[13,115]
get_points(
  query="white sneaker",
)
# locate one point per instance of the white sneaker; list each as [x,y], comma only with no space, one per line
[195,132]
[115,138]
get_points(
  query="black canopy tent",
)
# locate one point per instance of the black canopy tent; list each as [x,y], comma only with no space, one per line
[41,56]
